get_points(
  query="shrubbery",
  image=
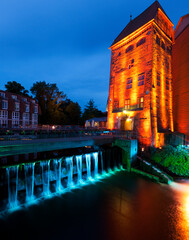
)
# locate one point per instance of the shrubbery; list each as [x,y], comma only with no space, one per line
[174,159]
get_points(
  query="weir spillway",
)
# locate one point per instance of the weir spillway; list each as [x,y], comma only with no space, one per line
[26,183]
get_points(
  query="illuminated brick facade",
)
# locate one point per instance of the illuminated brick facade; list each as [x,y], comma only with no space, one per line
[140,89]
[181,76]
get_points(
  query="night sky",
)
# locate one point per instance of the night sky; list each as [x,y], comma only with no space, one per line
[66,42]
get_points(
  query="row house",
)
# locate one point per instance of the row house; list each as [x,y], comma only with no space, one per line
[18,111]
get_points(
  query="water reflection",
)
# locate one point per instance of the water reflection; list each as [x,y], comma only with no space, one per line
[181,191]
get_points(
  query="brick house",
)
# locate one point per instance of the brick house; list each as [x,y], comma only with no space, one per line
[17,111]
[140,87]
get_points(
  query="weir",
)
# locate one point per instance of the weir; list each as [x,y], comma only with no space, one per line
[29,182]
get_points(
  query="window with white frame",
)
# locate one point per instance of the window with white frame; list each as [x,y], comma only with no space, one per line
[16,115]
[3,114]
[3,123]
[17,106]
[2,94]
[34,119]
[14,97]
[15,119]
[4,104]
[35,109]
[25,116]
[27,108]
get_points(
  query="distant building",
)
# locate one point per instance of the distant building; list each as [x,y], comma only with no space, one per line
[17,111]
[181,76]
[100,122]
[140,88]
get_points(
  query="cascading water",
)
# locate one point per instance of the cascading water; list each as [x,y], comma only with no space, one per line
[29,181]
[12,176]
[102,165]
[79,168]
[88,164]
[45,177]
[69,162]
[58,174]
[95,156]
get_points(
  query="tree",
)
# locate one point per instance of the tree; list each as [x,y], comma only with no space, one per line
[49,98]
[91,111]
[73,113]
[15,87]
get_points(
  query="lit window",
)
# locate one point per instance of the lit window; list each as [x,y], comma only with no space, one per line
[116,104]
[158,79]
[129,83]
[140,102]
[130,48]
[4,104]
[127,104]
[141,79]
[141,41]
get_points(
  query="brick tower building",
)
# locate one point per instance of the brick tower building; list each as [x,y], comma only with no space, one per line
[140,88]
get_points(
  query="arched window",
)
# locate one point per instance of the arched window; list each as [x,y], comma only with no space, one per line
[141,41]
[130,48]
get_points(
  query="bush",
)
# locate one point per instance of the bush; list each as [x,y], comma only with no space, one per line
[174,159]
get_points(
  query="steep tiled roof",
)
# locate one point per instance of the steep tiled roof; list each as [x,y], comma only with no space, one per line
[139,21]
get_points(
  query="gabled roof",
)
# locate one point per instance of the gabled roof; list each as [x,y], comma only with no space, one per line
[142,19]
[182,24]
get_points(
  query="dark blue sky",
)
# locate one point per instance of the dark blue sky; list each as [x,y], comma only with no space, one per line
[66,42]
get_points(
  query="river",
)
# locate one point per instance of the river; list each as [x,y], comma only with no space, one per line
[122,206]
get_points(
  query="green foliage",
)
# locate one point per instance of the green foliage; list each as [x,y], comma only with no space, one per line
[15,87]
[49,98]
[175,159]
[91,111]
